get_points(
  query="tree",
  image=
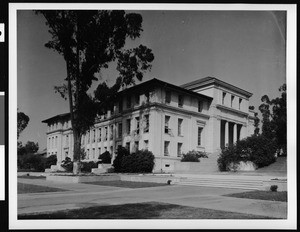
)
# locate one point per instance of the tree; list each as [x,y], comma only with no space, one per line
[274,123]
[23,120]
[29,148]
[89,41]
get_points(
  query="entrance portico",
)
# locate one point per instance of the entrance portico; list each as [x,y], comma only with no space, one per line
[230,133]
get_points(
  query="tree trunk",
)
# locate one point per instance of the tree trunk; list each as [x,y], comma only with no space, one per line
[76,152]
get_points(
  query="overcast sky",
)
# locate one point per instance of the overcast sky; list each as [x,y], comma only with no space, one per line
[243,48]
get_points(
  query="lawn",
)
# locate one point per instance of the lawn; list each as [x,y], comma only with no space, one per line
[147,210]
[30,188]
[126,184]
[261,195]
[32,177]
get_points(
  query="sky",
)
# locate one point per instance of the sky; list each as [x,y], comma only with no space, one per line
[244,48]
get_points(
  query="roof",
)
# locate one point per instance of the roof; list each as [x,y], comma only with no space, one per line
[212,80]
[57,117]
[142,87]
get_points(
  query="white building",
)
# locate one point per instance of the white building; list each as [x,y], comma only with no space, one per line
[204,115]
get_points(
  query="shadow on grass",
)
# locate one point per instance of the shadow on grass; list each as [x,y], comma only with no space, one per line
[32,177]
[31,188]
[261,195]
[149,210]
[126,184]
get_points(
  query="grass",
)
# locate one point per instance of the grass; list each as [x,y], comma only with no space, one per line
[30,188]
[148,210]
[126,184]
[262,195]
[32,177]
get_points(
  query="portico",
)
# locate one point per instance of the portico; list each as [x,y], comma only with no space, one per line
[230,133]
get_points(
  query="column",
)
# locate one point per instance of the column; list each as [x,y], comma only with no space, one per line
[226,134]
[234,133]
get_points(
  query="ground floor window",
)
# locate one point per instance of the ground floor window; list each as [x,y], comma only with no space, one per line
[146,144]
[166,148]
[200,129]
[179,146]
[127,146]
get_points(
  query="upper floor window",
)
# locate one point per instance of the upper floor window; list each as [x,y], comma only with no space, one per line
[128,129]
[94,135]
[180,100]
[106,133]
[168,97]
[120,106]
[128,102]
[240,103]
[200,105]
[147,95]
[120,130]
[100,135]
[137,119]
[111,132]
[223,98]
[137,99]
[88,137]
[232,99]
[167,119]
[180,126]
[146,119]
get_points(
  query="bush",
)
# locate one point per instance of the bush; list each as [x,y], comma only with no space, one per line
[274,188]
[87,166]
[67,164]
[31,162]
[193,156]
[140,162]
[117,163]
[105,158]
[257,149]
[51,160]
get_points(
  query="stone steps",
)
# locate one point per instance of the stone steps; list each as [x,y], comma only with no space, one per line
[224,182]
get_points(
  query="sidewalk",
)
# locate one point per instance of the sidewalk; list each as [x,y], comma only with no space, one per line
[85,195]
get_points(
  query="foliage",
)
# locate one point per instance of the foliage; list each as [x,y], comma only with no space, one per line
[89,41]
[274,188]
[257,149]
[87,166]
[51,160]
[193,156]
[23,120]
[67,164]
[117,163]
[30,147]
[274,122]
[142,161]
[31,162]
[105,158]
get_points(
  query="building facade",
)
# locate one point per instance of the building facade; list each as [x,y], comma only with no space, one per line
[204,115]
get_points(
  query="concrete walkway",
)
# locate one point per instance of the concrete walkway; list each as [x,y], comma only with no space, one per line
[85,195]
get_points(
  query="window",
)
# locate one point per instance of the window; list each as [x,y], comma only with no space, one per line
[94,135]
[136,145]
[111,149]
[128,129]
[166,148]
[112,110]
[168,97]
[146,144]
[200,105]
[223,98]
[67,141]
[66,154]
[180,126]
[146,128]
[93,155]
[106,133]
[111,134]
[83,139]
[100,135]
[128,102]
[232,99]
[240,103]
[105,149]
[199,135]
[99,151]
[120,106]
[137,119]
[137,99]
[88,153]
[56,139]
[167,119]
[88,137]
[180,100]
[147,95]
[179,146]
[127,146]
[120,130]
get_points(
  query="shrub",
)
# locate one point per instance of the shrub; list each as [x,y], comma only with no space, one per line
[67,164]
[51,160]
[257,149]
[274,188]
[117,163]
[140,162]
[193,156]
[31,162]
[87,166]
[105,158]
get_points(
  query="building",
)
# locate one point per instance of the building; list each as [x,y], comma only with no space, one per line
[203,115]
